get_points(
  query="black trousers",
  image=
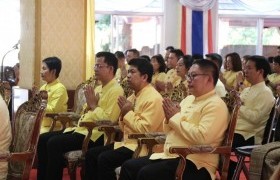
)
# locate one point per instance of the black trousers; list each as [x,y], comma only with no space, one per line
[238,141]
[50,150]
[164,169]
[101,162]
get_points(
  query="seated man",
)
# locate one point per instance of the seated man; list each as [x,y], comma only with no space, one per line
[202,119]
[141,113]
[103,105]
[257,103]
[6,135]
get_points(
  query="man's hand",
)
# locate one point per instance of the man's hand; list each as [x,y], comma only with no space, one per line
[91,98]
[160,86]
[124,105]
[170,108]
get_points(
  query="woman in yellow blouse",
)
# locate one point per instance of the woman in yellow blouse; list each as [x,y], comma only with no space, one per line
[57,93]
[234,66]
[180,91]
[159,68]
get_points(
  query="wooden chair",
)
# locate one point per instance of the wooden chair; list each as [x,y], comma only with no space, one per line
[72,116]
[224,150]
[5,91]
[76,158]
[25,130]
[245,151]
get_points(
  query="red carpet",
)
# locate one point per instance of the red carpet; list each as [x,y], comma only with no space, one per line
[33,174]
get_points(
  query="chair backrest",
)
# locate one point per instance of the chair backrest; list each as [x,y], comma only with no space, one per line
[26,130]
[79,97]
[233,104]
[270,132]
[5,91]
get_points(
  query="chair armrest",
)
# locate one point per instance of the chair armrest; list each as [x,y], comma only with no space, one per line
[20,156]
[149,142]
[51,115]
[112,132]
[90,126]
[143,135]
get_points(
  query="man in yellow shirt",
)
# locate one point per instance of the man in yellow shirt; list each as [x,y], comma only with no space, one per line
[102,105]
[273,80]
[257,102]
[171,76]
[202,118]
[142,112]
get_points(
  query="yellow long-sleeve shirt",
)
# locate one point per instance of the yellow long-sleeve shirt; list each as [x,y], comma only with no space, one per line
[57,102]
[257,101]
[107,108]
[147,116]
[230,77]
[202,120]
[171,76]
[158,77]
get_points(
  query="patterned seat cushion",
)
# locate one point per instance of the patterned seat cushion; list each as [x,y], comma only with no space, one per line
[73,155]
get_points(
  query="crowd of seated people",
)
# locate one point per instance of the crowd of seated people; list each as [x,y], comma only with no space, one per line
[175,94]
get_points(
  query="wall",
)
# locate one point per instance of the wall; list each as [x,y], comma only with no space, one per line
[53,28]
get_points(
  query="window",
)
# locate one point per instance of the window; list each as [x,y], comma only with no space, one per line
[247,32]
[124,24]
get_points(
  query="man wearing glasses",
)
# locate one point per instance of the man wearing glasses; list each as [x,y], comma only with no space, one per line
[202,118]
[100,106]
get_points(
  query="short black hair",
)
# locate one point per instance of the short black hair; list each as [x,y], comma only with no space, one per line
[168,48]
[261,63]
[53,63]
[178,53]
[276,59]
[143,66]
[207,65]
[216,57]
[146,57]
[119,54]
[110,59]
[134,51]
[188,61]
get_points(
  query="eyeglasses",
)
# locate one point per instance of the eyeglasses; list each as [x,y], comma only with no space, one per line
[192,76]
[98,66]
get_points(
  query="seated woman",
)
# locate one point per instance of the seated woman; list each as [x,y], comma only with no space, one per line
[159,68]
[6,136]
[180,91]
[234,66]
[57,93]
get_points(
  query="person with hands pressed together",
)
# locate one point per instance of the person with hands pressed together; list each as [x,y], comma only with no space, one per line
[101,105]
[141,112]
[201,119]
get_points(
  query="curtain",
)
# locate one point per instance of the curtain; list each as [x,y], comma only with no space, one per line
[259,5]
[90,24]
[198,5]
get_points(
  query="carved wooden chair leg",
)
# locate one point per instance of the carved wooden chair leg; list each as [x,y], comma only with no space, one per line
[72,165]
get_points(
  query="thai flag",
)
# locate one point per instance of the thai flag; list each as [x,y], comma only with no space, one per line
[196,31]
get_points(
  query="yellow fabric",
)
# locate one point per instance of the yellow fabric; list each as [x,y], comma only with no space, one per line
[257,101]
[5,137]
[171,76]
[148,116]
[274,79]
[202,120]
[230,77]
[90,24]
[118,75]
[107,108]
[57,102]
[158,77]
